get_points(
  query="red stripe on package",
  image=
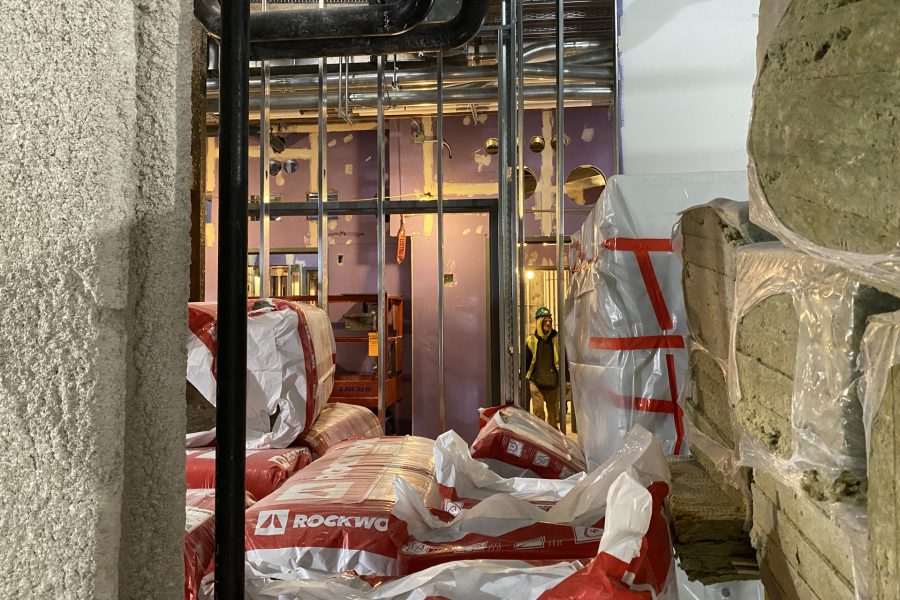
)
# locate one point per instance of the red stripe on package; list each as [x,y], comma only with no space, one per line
[528,444]
[648,342]
[290,367]
[335,515]
[339,422]
[199,538]
[265,470]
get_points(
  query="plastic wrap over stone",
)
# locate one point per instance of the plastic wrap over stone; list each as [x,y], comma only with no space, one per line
[793,375]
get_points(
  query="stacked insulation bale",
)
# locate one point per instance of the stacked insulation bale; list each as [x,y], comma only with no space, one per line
[711,494]
[880,361]
[822,180]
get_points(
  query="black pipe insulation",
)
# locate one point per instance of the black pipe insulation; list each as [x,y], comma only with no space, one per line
[231,342]
[316,23]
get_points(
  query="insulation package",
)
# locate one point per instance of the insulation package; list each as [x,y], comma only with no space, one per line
[710,527]
[464,481]
[793,372]
[823,136]
[505,526]
[515,443]
[339,422]
[199,538]
[265,470]
[625,324]
[880,362]
[290,370]
[336,514]
[633,563]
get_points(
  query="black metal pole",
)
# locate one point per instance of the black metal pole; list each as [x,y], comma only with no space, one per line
[231,359]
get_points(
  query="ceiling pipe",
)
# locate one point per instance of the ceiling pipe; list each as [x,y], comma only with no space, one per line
[427,37]
[604,56]
[541,51]
[321,23]
[396,98]
[363,79]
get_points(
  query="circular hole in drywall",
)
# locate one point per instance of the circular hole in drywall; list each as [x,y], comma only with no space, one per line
[537,144]
[274,168]
[566,141]
[290,166]
[492,146]
[529,183]
[584,185]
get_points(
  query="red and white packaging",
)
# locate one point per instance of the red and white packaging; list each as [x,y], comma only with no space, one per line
[339,422]
[515,443]
[265,470]
[290,368]
[335,515]
[505,526]
[199,538]
[634,563]
[464,481]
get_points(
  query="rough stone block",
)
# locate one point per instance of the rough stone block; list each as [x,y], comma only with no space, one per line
[707,406]
[93,285]
[794,559]
[764,409]
[797,339]
[825,130]
[710,234]
[883,383]
[710,537]
[780,504]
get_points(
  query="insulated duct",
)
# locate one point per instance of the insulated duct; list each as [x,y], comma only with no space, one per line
[427,37]
[320,23]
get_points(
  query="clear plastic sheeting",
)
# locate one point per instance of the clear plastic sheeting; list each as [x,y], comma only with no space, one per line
[883,270]
[731,590]
[827,447]
[290,368]
[625,318]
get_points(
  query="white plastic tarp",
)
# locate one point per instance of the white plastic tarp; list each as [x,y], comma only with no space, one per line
[625,321]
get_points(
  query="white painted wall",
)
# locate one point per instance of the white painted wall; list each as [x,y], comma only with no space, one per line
[687,72]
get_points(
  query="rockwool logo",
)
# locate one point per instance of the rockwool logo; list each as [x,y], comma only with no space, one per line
[272,522]
[377,523]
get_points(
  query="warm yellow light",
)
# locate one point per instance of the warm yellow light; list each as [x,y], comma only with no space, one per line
[529,274]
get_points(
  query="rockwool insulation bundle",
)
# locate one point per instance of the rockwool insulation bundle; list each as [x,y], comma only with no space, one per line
[335,515]
[708,236]
[625,324]
[634,563]
[338,422]
[797,328]
[711,533]
[290,369]
[880,361]
[515,443]
[464,481]
[265,470]
[507,526]
[199,538]
[824,135]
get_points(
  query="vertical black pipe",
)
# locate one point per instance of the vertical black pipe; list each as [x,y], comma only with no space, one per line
[231,360]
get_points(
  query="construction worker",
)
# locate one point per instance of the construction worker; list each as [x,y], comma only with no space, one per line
[542,364]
